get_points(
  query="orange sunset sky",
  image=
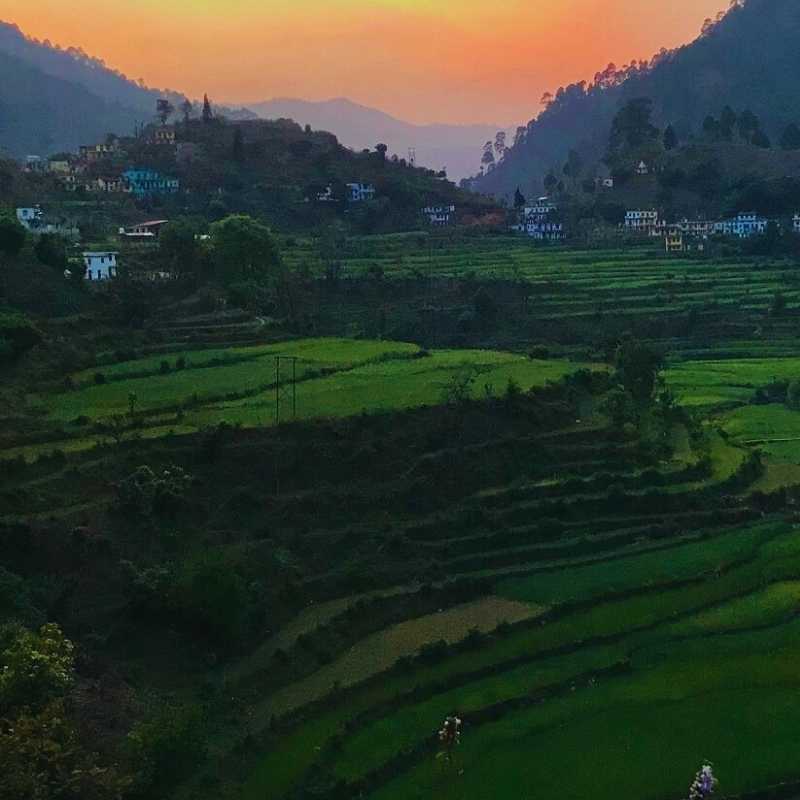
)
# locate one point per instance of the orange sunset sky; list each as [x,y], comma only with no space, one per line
[422,60]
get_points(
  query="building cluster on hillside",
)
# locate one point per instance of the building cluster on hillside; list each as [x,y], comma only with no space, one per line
[35,221]
[100,264]
[104,168]
[691,234]
[354,193]
[540,221]
[360,192]
[439,216]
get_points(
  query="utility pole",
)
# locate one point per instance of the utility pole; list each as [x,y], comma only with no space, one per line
[285,390]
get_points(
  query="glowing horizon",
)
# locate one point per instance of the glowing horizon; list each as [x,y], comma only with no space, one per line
[420,60]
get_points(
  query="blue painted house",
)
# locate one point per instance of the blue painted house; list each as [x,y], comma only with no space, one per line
[148,182]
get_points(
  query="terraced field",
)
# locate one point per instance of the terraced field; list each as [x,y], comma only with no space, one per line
[193,390]
[648,597]
[605,605]
[725,393]
[568,284]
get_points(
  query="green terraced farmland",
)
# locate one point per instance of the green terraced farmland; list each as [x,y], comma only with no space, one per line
[655,655]
[335,378]
[622,600]
[730,381]
[569,284]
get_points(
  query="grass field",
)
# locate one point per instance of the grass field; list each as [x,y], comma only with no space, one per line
[713,383]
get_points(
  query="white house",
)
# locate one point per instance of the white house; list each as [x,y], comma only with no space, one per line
[100,266]
[697,228]
[35,164]
[144,231]
[645,223]
[544,231]
[360,192]
[542,208]
[30,218]
[538,222]
[326,196]
[642,169]
[439,216]
[796,223]
[742,225]
[34,221]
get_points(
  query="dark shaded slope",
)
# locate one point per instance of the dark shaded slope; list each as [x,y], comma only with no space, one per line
[40,114]
[747,60]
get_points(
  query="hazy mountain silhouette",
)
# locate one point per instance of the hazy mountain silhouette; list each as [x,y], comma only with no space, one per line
[454,147]
[748,58]
[41,114]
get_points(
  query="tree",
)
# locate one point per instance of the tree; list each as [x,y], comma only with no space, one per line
[164,110]
[760,139]
[208,114]
[187,109]
[632,126]
[550,183]
[17,334]
[574,165]
[793,395]
[485,307]
[381,150]
[727,123]
[747,125]
[168,745]
[519,136]
[179,248]
[487,159]
[790,139]
[500,145]
[638,368]
[242,248]
[42,756]
[238,146]
[51,250]
[670,138]
[12,235]
[779,303]
[519,199]
[711,129]
[37,667]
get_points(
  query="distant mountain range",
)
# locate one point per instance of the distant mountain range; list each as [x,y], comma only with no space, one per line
[456,148]
[54,98]
[749,59]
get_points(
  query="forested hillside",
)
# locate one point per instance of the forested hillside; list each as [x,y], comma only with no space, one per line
[54,98]
[74,65]
[746,59]
[41,114]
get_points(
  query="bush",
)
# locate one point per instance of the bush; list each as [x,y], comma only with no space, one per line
[212,598]
[37,667]
[793,395]
[146,491]
[99,378]
[17,334]
[539,353]
[167,746]
[164,368]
